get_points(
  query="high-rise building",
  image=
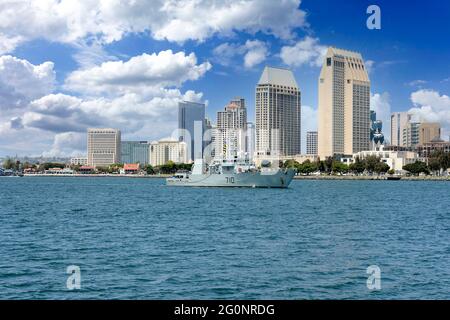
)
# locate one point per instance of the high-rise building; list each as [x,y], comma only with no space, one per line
[250,140]
[344,104]
[135,152]
[311,142]
[166,150]
[399,122]
[278,113]
[191,122]
[103,147]
[410,137]
[231,130]
[429,131]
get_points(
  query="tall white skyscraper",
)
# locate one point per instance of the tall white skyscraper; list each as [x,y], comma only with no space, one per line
[191,122]
[311,142]
[250,140]
[103,147]
[278,113]
[344,104]
[399,122]
[231,129]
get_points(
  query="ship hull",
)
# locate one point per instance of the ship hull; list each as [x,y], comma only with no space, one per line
[279,179]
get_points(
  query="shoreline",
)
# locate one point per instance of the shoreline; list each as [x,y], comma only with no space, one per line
[324,177]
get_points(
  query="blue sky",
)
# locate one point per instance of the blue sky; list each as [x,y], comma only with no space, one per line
[110,71]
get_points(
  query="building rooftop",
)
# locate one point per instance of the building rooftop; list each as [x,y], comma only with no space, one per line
[278,76]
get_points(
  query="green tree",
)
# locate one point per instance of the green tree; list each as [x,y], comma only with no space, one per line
[371,162]
[381,167]
[8,164]
[339,167]
[391,171]
[149,169]
[416,168]
[358,166]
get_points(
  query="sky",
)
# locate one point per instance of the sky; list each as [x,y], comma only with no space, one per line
[69,65]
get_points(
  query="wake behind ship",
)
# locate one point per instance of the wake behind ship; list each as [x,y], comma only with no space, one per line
[232,173]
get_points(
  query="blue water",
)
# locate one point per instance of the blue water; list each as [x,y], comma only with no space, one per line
[138,239]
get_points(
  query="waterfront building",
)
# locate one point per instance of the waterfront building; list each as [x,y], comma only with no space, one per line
[231,130]
[300,158]
[135,152]
[166,150]
[130,168]
[344,104]
[79,161]
[191,123]
[103,146]
[429,131]
[311,142]
[394,159]
[410,137]
[278,113]
[426,149]
[399,122]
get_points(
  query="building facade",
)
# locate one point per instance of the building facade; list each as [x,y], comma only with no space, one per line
[168,150]
[135,152]
[231,130]
[79,161]
[103,146]
[426,149]
[410,137]
[278,113]
[191,123]
[344,104]
[311,142]
[399,122]
[250,140]
[429,131]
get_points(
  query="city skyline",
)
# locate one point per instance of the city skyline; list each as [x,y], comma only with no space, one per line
[56,84]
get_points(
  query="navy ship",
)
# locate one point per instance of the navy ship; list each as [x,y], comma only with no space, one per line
[233,173]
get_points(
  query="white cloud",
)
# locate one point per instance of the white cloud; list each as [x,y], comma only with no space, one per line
[139,74]
[110,20]
[431,106]
[369,66]
[67,144]
[306,51]
[417,83]
[256,53]
[381,104]
[21,81]
[253,52]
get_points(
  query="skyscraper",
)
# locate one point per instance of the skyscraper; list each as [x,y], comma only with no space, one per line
[429,131]
[135,152]
[410,137]
[191,121]
[166,150]
[344,104]
[250,140]
[311,142]
[103,147]
[231,129]
[278,113]
[399,122]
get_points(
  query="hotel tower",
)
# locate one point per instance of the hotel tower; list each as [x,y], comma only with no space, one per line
[344,104]
[277,113]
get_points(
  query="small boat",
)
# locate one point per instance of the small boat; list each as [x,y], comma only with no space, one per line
[393,178]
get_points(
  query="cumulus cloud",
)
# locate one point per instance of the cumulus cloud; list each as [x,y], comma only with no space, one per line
[21,81]
[140,73]
[381,104]
[431,106]
[253,52]
[110,20]
[306,51]
[67,144]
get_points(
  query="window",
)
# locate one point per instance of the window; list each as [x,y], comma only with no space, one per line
[328,62]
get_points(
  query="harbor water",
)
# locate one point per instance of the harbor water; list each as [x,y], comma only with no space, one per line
[139,239]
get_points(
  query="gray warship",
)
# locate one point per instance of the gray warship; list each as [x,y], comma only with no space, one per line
[232,173]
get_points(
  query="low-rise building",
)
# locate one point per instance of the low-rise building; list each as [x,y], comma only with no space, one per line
[394,159]
[130,168]
[427,149]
